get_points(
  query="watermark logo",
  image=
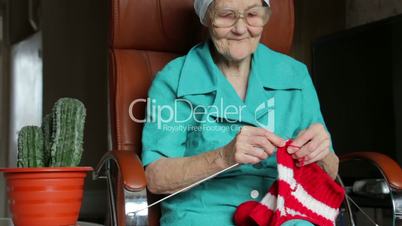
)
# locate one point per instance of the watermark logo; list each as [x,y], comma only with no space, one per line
[173,117]
[268,120]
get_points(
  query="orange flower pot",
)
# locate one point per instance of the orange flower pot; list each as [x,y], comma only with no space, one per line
[48,196]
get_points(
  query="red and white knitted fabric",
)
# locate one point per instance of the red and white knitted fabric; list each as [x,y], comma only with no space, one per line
[305,192]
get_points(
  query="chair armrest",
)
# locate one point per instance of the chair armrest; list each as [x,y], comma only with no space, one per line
[388,167]
[130,167]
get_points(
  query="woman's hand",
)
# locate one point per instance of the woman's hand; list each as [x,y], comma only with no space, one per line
[314,143]
[251,145]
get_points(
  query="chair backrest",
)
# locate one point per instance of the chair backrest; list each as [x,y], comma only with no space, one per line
[144,36]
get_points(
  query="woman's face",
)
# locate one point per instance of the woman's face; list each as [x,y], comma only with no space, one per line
[239,41]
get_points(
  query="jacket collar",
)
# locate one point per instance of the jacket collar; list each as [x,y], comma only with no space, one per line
[199,72]
[275,70]
[269,71]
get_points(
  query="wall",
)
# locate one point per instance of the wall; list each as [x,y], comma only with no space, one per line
[397,82]
[75,65]
[3,115]
[360,12]
[15,28]
[3,138]
[315,18]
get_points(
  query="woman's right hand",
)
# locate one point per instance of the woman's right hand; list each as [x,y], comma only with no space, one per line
[251,145]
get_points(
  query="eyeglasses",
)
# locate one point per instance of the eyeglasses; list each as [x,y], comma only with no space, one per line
[256,17]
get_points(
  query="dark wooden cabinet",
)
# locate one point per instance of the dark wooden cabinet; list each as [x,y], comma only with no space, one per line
[358,77]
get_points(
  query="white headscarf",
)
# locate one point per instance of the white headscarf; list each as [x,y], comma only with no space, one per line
[201,7]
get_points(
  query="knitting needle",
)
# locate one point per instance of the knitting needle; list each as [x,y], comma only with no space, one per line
[188,187]
[364,213]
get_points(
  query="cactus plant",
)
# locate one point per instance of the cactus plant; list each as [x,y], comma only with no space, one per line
[59,142]
[30,147]
[68,128]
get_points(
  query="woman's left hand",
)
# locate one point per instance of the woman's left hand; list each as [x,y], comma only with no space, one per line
[314,143]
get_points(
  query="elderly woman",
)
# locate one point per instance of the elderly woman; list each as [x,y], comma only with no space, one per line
[229,100]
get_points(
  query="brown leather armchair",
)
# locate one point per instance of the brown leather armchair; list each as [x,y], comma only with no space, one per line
[144,36]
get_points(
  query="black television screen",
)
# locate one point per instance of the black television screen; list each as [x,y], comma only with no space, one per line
[358,77]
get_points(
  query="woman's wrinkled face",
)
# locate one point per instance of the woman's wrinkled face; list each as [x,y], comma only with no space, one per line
[239,41]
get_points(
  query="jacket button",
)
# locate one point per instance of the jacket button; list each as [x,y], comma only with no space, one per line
[254,194]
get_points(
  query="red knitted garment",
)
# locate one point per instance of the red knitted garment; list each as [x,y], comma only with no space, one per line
[305,192]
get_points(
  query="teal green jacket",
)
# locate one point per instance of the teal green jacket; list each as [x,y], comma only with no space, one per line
[192,108]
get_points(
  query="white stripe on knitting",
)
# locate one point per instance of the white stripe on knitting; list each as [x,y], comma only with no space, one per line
[294,212]
[269,201]
[286,210]
[320,208]
[314,205]
[281,205]
[286,174]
